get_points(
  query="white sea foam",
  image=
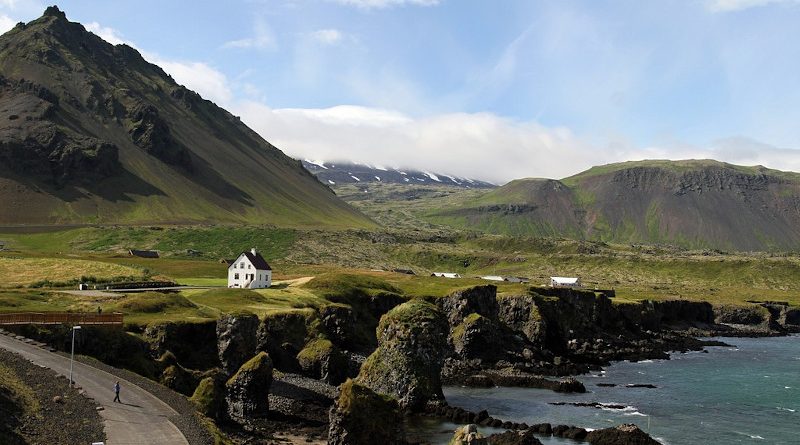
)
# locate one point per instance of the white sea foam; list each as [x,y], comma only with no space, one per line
[785,409]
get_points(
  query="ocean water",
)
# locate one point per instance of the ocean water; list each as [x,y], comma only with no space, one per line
[747,394]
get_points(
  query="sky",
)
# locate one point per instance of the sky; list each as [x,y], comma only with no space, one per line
[492,90]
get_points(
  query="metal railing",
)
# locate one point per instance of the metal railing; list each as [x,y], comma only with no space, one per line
[76,318]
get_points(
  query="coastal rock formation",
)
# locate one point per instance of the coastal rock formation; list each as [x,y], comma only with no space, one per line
[321,359]
[626,434]
[514,438]
[468,435]
[247,392]
[209,396]
[361,416]
[408,362]
[520,314]
[283,336]
[481,300]
[236,340]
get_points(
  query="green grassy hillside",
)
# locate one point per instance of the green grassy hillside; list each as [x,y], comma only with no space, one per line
[92,133]
[694,204]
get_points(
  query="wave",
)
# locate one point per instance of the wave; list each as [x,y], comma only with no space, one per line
[752,436]
[785,409]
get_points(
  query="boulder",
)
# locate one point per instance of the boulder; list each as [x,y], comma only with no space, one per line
[514,438]
[626,434]
[180,379]
[361,416]
[209,396]
[321,359]
[468,435]
[408,362]
[236,340]
[247,392]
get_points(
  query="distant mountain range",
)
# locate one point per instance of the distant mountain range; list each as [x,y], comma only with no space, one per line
[92,133]
[337,173]
[701,203]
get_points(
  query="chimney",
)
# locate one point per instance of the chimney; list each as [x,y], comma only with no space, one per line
[253,251]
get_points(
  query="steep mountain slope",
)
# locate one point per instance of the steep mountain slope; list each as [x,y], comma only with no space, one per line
[338,173]
[91,132]
[688,203]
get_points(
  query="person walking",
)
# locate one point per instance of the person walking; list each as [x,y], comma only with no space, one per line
[116,392]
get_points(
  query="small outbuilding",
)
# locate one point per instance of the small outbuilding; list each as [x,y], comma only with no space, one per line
[565,282]
[250,271]
[143,253]
[446,275]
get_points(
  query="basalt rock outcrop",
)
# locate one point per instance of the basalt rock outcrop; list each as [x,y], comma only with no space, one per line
[362,416]
[626,434]
[407,364]
[321,359]
[247,392]
[236,340]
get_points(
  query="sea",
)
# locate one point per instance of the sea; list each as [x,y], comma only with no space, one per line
[745,394]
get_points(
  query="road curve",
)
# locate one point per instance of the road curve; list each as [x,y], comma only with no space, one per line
[142,419]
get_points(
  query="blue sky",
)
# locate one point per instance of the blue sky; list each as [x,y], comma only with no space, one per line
[489,89]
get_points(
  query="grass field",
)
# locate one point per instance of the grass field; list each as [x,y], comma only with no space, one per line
[342,261]
[17,271]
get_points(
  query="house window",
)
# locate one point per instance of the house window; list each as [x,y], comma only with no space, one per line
[234,265]
[249,267]
[241,265]
[236,276]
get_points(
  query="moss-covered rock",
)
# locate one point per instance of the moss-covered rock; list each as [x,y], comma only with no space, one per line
[321,359]
[476,337]
[361,416]
[247,392]
[284,334]
[209,396]
[626,434]
[236,340]
[408,362]
[180,379]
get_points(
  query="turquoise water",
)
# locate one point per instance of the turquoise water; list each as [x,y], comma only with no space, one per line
[748,394]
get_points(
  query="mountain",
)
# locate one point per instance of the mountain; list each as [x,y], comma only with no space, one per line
[338,173]
[91,132]
[695,203]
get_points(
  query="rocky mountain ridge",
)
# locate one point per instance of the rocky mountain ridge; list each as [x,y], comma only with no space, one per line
[92,132]
[705,204]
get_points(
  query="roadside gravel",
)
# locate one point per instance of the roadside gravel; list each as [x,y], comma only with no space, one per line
[65,417]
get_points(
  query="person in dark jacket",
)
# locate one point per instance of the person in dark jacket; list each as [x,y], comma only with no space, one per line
[116,392]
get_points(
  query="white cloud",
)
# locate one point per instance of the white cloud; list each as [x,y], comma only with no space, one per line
[263,38]
[381,4]
[200,77]
[110,35]
[6,23]
[738,5]
[327,36]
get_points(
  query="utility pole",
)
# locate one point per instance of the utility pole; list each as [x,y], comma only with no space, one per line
[72,354]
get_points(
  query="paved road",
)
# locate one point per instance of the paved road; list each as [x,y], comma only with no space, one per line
[142,419]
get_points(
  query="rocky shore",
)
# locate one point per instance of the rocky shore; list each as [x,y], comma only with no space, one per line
[260,377]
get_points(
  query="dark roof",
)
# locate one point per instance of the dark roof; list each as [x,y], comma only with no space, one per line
[144,253]
[258,261]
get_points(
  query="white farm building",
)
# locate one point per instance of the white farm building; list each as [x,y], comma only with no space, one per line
[250,271]
[446,275]
[565,282]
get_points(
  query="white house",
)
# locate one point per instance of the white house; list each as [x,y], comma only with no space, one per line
[250,271]
[446,275]
[565,282]
[492,278]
